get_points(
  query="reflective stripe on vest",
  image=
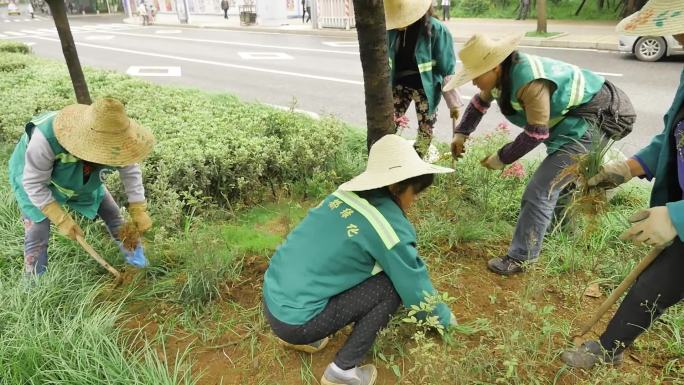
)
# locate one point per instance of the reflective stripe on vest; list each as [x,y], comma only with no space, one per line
[65,157]
[577,90]
[427,66]
[375,218]
[65,191]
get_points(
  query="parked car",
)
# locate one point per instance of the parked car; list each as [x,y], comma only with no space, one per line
[650,48]
[13,10]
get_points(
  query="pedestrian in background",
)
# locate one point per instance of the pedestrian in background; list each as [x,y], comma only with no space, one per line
[303,10]
[224,6]
[30,9]
[307,7]
[446,9]
[421,59]
[142,11]
[524,9]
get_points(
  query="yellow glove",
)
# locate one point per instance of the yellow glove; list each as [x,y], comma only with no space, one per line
[493,162]
[139,215]
[64,222]
[458,145]
[455,113]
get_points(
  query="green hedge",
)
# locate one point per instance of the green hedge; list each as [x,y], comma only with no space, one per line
[212,149]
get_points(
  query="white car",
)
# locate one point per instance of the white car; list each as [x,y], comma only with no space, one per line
[650,48]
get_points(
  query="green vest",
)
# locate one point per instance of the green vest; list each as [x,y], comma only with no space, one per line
[574,86]
[435,58]
[66,185]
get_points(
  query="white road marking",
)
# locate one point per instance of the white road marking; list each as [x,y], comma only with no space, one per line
[342,44]
[8,21]
[2,36]
[12,33]
[215,63]
[265,56]
[608,74]
[155,71]
[167,31]
[100,37]
[237,43]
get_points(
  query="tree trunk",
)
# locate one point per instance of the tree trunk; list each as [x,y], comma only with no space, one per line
[541,16]
[58,10]
[370,27]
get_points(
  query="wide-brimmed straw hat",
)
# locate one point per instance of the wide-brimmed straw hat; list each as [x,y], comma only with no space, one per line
[479,55]
[391,160]
[656,18]
[402,13]
[102,133]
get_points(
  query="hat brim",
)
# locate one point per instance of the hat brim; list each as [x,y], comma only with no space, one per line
[369,180]
[70,127]
[644,23]
[405,17]
[464,75]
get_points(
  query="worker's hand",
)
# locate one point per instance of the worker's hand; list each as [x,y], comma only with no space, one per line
[455,112]
[493,162]
[65,223]
[139,215]
[458,145]
[611,175]
[652,226]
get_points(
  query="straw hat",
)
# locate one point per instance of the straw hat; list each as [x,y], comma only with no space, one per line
[391,160]
[479,55]
[102,133]
[656,18]
[402,13]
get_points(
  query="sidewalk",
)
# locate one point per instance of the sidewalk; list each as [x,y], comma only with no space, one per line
[572,34]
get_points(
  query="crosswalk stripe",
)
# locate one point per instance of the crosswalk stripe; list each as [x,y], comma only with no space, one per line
[8,21]
[2,36]
[12,33]
[17,21]
[30,31]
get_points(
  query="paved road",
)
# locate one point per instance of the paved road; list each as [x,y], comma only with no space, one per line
[315,73]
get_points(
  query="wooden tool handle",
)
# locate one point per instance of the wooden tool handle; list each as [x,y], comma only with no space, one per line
[626,283]
[97,257]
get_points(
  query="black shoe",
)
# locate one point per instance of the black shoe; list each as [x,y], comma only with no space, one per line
[589,354]
[507,266]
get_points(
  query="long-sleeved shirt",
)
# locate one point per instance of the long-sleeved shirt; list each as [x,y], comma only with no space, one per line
[38,172]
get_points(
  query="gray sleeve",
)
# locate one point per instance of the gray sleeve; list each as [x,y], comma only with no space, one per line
[38,165]
[131,177]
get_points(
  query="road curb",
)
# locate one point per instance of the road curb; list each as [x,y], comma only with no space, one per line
[550,42]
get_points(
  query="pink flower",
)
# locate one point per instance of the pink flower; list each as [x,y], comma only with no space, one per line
[401,121]
[503,126]
[516,170]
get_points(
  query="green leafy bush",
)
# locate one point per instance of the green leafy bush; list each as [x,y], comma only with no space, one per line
[474,7]
[14,46]
[212,149]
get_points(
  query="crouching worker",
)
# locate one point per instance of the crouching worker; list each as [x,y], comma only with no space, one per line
[61,161]
[353,259]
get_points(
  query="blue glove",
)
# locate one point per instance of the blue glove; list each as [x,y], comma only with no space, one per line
[135,257]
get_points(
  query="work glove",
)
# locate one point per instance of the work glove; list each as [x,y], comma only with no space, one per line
[652,227]
[65,223]
[611,175]
[493,162]
[458,145]
[453,100]
[139,215]
[455,113]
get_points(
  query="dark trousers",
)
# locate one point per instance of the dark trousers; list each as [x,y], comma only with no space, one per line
[657,288]
[524,9]
[445,12]
[225,13]
[369,305]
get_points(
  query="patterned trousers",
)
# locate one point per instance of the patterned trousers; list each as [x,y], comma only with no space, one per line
[403,96]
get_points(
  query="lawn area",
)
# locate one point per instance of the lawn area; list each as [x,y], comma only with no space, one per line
[556,10]
[226,183]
